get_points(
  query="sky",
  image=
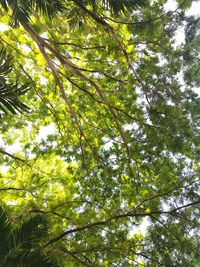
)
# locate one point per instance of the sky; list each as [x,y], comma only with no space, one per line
[194,10]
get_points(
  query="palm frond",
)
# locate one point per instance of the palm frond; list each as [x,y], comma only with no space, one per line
[27,240]
[32,232]
[10,92]
[4,4]
[117,6]
[23,9]
[48,262]
[122,5]
[38,260]
[20,246]
[18,257]
[48,7]
[5,233]
[5,62]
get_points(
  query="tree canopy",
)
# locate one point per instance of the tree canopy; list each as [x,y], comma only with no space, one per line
[100,130]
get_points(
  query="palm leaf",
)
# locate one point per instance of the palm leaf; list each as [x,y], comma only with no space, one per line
[20,246]
[26,241]
[48,7]
[23,9]
[4,4]
[31,233]
[5,233]
[117,6]
[35,260]
[9,92]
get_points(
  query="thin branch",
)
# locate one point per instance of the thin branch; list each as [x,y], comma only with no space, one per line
[2,151]
[38,211]
[146,21]
[42,44]
[116,217]
[62,249]
[76,45]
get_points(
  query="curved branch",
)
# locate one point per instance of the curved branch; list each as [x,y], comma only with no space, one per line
[116,217]
[2,151]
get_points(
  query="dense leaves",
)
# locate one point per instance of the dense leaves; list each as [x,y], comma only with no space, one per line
[22,9]
[10,91]
[191,51]
[110,150]
[20,245]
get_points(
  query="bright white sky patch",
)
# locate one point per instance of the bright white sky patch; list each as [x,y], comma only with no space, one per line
[4,169]
[3,27]
[43,80]
[194,10]
[142,227]
[45,131]
[170,5]
[25,48]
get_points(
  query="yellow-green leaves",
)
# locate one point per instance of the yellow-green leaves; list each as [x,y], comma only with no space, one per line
[109,150]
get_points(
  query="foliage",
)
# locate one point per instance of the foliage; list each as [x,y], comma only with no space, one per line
[22,9]
[10,91]
[20,245]
[191,51]
[110,150]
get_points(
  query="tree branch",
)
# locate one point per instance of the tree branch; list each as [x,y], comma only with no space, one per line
[116,217]
[2,151]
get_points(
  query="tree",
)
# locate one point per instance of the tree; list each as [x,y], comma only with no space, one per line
[123,148]
[191,55]
[20,245]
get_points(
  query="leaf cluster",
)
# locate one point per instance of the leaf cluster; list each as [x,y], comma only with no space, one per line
[20,245]
[10,91]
